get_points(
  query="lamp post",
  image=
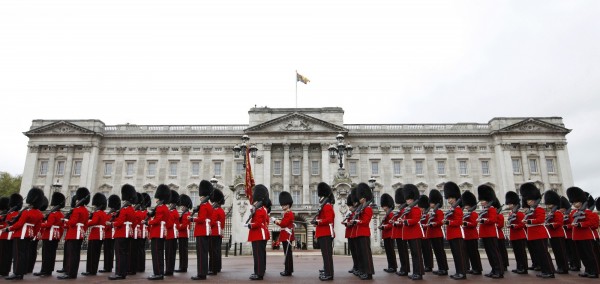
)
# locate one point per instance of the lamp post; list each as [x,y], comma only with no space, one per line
[372,181]
[339,150]
[242,148]
[56,187]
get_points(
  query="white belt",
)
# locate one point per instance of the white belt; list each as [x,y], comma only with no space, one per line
[262,230]
[462,232]
[101,228]
[422,232]
[331,230]
[25,229]
[175,231]
[127,229]
[53,230]
[207,222]
[112,235]
[79,231]
[288,230]
[10,235]
[219,227]
[135,231]
[162,229]
[143,231]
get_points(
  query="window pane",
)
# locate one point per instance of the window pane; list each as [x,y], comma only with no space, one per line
[441,167]
[314,197]
[375,168]
[550,165]
[297,197]
[43,168]
[60,168]
[296,168]
[276,197]
[352,168]
[419,167]
[533,165]
[239,169]
[195,168]
[277,168]
[195,198]
[107,169]
[462,165]
[173,168]
[397,168]
[77,168]
[129,168]
[516,164]
[315,168]
[151,168]
[217,168]
[485,167]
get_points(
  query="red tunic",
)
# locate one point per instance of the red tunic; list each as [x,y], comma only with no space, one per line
[397,226]
[24,227]
[217,222]
[140,229]
[157,225]
[287,227]
[76,224]
[584,231]
[109,230]
[202,221]
[500,226]
[97,225]
[348,233]
[454,228]
[386,232]
[8,235]
[567,225]
[517,228]
[325,222]
[470,226]
[258,230]
[53,226]
[487,227]
[535,225]
[555,226]
[172,230]
[184,225]
[124,223]
[412,225]
[434,228]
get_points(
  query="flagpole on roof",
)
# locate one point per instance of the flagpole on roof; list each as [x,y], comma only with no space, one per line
[296,88]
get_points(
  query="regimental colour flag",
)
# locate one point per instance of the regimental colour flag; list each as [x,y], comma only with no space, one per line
[300,78]
[249,184]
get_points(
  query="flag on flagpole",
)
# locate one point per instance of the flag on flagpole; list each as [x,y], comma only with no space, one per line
[249,184]
[300,78]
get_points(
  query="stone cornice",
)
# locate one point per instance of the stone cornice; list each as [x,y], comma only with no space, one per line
[60,128]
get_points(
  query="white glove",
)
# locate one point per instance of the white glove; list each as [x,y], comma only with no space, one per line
[273,219]
[245,225]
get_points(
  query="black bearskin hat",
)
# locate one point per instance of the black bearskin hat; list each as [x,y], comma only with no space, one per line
[58,199]
[147,200]
[349,201]
[44,204]
[114,202]
[486,193]
[174,197]
[590,202]
[364,191]
[206,188]
[496,204]
[268,204]
[435,197]
[261,193]
[530,192]
[551,198]
[468,199]
[399,197]
[139,199]
[99,200]
[598,204]
[451,190]
[128,193]
[185,200]
[576,194]
[81,194]
[163,193]
[4,203]
[73,201]
[16,200]
[35,197]
[217,196]
[353,195]
[423,201]
[386,201]
[410,191]
[564,203]
[323,190]
[512,197]
[285,198]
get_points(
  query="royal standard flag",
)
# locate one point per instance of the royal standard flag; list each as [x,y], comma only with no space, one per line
[300,78]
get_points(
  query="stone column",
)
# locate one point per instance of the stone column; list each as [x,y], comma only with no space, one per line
[140,176]
[326,166]
[31,169]
[524,162]
[266,151]
[563,164]
[88,166]
[305,174]
[69,167]
[184,169]
[543,167]
[286,167]
[51,166]
[503,170]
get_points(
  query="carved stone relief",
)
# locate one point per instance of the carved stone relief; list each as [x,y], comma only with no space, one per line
[296,125]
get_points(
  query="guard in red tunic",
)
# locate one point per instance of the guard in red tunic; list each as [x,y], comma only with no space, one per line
[51,234]
[471,235]
[202,229]
[114,204]
[22,229]
[453,219]
[124,231]
[185,202]
[134,242]
[517,237]
[397,228]
[488,232]
[554,224]
[172,231]
[387,204]
[572,255]
[362,221]
[434,233]
[583,235]
[537,234]
[217,222]
[501,237]
[96,226]
[286,235]
[75,224]
[259,233]
[157,230]
[412,230]
[37,236]
[9,207]
[425,243]
[352,205]
[324,233]
[142,231]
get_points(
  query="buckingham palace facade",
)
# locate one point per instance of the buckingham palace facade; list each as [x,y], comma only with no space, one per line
[292,155]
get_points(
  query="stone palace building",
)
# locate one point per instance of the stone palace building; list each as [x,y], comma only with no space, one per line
[293,156]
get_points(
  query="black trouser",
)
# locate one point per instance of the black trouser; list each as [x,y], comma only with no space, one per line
[109,253]
[457,246]
[140,247]
[352,248]
[427,253]
[202,252]
[440,255]
[574,260]
[5,256]
[73,254]
[586,251]
[170,255]
[416,255]
[560,253]
[503,252]
[132,256]
[326,244]
[540,247]
[390,253]
[474,258]
[520,253]
[21,249]
[157,247]
[214,261]
[93,256]
[402,246]
[183,253]
[534,260]
[32,255]
[48,256]
[288,261]
[491,250]
[122,254]
[366,257]
[259,254]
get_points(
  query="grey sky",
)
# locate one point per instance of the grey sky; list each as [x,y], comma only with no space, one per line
[195,62]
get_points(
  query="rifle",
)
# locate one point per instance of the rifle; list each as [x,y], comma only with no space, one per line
[358,211]
[206,199]
[425,214]
[255,207]
[532,208]
[151,212]
[16,218]
[469,212]
[580,214]
[432,213]
[513,216]
[450,211]
[483,214]
[79,203]
[550,215]
[409,208]
[11,210]
[119,211]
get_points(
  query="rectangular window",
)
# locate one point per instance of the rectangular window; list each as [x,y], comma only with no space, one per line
[375,168]
[397,168]
[173,168]
[152,168]
[239,169]
[277,168]
[297,196]
[60,168]
[516,164]
[76,168]
[43,168]
[195,168]
[276,197]
[129,169]
[314,197]
[462,168]
[419,167]
[194,197]
[108,168]
[296,168]
[352,170]
[217,168]
[550,165]
[485,168]
[441,167]
[533,168]
[315,168]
